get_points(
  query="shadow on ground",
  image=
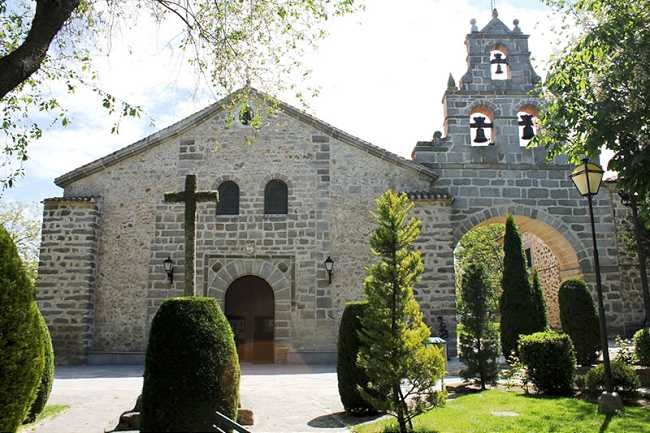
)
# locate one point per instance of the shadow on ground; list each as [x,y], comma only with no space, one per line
[339,420]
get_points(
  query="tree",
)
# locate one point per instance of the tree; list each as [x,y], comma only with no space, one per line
[394,334]
[598,89]
[579,320]
[21,346]
[539,303]
[478,330]
[519,311]
[229,43]
[23,223]
[482,245]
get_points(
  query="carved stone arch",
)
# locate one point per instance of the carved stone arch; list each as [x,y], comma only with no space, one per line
[277,176]
[225,178]
[570,251]
[476,106]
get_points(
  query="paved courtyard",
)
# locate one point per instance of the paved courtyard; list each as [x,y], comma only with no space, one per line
[285,399]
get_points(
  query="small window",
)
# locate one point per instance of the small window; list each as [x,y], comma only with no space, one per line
[499,64]
[481,127]
[246,114]
[228,203]
[276,197]
[528,124]
[529,257]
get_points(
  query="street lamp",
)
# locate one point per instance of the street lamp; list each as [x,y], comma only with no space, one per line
[630,200]
[587,178]
[329,267]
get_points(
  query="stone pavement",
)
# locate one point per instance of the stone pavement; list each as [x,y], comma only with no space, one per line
[284,398]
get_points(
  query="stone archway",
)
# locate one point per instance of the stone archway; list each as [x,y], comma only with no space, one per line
[250,309]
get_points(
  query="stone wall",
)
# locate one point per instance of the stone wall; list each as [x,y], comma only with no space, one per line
[66,285]
[548,269]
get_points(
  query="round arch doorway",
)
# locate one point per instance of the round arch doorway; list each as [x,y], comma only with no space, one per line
[250,309]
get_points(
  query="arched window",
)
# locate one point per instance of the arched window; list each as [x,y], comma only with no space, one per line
[276,198]
[527,119]
[499,63]
[481,126]
[228,203]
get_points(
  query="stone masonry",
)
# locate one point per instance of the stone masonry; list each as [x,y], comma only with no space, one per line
[105,240]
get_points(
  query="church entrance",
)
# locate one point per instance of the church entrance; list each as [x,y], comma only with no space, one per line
[250,308]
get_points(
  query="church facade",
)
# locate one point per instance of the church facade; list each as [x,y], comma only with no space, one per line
[300,192]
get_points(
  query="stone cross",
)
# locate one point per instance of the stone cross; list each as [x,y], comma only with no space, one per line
[190,197]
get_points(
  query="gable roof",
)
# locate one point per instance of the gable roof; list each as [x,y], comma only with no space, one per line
[496,27]
[198,117]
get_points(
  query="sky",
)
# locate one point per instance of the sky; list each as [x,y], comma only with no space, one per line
[381,73]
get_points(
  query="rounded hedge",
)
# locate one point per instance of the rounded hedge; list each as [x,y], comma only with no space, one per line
[624,378]
[350,375]
[21,351]
[47,378]
[579,320]
[550,361]
[191,367]
[642,346]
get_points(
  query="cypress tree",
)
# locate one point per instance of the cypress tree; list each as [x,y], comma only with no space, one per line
[540,319]
[579,320]
[519,311]
[478,330]
[21,346]
[393,341]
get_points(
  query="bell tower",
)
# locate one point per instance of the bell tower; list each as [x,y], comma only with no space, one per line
[491,115]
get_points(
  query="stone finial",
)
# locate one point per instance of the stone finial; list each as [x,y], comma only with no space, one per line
[451,83]
[516,23]
[495,13]
[474,26]
[437,136]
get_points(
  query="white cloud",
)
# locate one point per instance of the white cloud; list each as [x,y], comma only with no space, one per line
[382,74]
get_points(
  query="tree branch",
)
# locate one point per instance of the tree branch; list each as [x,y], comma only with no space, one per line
[20,64]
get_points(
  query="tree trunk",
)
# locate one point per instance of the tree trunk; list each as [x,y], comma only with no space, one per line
[401,419]
[20,64]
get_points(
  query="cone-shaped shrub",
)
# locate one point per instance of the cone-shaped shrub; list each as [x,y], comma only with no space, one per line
[518,306]
[351,377]
[539,303]
[579,320]
[47,378]
[21,350]
[478,331]
[191,367]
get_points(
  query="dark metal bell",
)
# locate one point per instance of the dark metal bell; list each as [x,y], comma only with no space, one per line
[499,69]
[480,136]
[527,123]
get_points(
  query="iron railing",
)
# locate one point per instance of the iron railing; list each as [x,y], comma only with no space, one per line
[226,425]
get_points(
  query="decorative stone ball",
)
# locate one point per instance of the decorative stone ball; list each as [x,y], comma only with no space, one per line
[516,22]
[472,21]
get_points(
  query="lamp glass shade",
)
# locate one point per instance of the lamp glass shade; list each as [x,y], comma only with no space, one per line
[168,264]
[329,264]
[587,178]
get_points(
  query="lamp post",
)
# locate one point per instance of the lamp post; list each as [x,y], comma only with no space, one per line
[168,264]
[630,200]
[587,178]
[329,267]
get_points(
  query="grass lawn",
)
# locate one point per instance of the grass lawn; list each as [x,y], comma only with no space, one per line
[48,411]
[494,412]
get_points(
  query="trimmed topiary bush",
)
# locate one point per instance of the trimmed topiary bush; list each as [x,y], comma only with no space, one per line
[550,361]
[21,351]
[625,379]
[191,367]
[518,305]
[47,378]
[579,320]
[642,346]
[350,376]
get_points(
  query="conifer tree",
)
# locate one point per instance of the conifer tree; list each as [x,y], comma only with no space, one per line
[519,311]
[478,330]
[393,351]
[539,302]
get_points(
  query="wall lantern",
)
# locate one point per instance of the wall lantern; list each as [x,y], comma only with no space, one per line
[329,267]
[169,269]
[587,178]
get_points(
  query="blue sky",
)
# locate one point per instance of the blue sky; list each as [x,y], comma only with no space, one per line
[381,74]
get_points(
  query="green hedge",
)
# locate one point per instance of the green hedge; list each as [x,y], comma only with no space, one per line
[191,367]
[350,375]
[47,378]
[624,378]
[642,346]
[21,351]
[550,361]
[579,320]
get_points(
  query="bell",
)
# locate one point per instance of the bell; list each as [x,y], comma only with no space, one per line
[480,136]
[527,123]
[499,69]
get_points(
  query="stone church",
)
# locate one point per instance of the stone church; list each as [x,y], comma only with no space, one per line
[302,191]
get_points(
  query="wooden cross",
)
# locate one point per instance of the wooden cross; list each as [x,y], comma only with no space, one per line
[190,197]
